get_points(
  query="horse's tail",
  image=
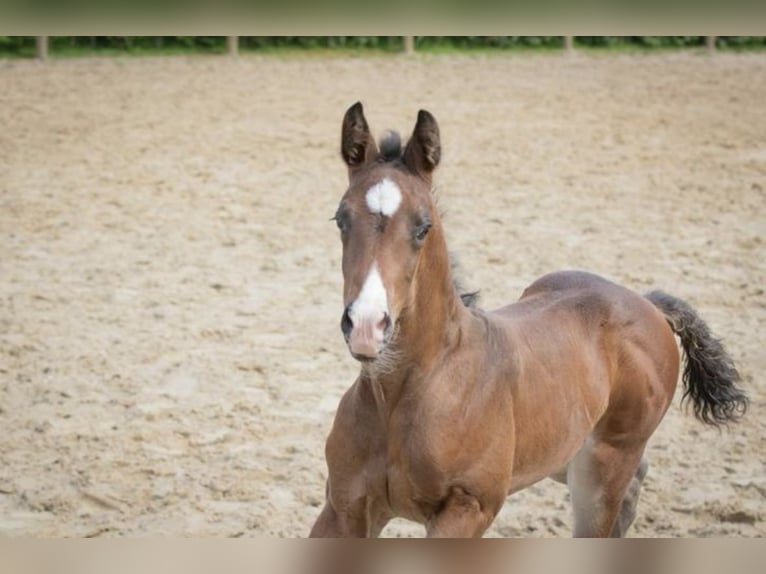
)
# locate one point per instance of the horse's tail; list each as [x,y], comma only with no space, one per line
[710,378]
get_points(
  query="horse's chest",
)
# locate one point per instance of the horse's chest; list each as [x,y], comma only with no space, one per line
[418,474]
[413,492]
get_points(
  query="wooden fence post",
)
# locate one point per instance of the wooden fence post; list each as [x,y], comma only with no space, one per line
[569,44]
[232,45]
[409,44]
[710,43]
[41,47]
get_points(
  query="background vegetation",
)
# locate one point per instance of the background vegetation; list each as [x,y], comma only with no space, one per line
[24,46]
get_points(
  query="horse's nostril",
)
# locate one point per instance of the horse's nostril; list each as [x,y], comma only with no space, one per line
[385,323]
[346,324]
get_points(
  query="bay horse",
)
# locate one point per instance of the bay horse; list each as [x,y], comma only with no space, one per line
[456,408]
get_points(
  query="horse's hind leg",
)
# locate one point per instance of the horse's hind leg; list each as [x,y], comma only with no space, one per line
[630,500]
[627,512]
[598,478]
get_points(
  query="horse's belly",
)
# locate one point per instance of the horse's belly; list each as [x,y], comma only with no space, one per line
[528,474]
[557,401]
[547,440]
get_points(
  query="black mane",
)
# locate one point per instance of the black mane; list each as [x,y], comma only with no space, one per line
[469,298]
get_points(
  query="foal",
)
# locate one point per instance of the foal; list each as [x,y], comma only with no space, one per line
[455,408]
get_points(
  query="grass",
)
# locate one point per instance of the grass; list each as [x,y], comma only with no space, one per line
[484,50]
[140,52]
[448,48]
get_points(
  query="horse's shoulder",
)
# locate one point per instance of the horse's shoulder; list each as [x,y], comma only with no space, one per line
[356,420]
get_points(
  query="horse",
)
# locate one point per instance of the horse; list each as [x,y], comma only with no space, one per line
[455,408]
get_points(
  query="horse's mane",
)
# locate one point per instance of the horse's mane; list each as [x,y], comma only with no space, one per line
[469,298]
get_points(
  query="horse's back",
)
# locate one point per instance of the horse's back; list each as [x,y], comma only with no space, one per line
[575,281]
[590,297]
[585,299]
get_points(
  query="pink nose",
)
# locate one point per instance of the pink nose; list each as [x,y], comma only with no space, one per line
[368,334]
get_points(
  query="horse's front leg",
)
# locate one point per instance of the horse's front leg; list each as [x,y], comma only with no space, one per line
[461,516]
[357,503]
[364,517]
[350,522]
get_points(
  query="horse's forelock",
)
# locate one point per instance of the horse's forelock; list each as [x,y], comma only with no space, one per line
[390,146]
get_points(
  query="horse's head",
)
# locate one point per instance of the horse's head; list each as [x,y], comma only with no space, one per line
[384,218]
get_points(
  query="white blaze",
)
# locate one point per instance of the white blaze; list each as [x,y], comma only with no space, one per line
[384,198]
[372,301]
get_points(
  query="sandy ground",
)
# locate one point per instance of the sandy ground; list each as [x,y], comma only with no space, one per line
[170,358]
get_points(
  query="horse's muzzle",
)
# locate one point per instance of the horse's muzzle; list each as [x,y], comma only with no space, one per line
[367,336]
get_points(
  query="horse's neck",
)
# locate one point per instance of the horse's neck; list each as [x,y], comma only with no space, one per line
[428,321]
[427,328]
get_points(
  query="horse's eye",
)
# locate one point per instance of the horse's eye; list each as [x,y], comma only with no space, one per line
[342,222]
[422,231]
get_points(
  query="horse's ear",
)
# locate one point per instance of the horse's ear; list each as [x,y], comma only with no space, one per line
[424,149]
[357,146]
